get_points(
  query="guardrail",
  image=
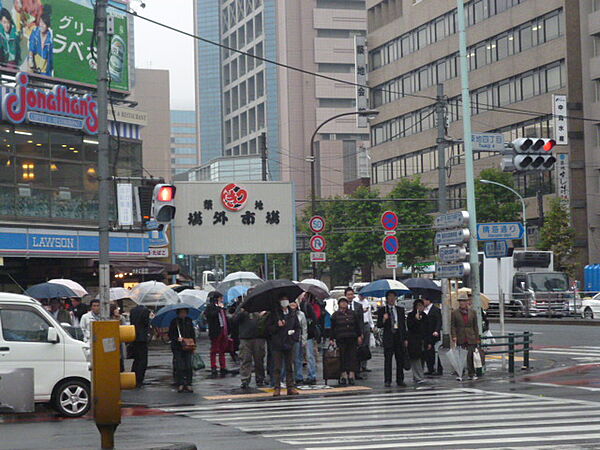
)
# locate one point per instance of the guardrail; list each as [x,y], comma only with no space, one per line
[510,345]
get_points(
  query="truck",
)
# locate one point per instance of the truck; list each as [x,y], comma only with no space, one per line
[530,285]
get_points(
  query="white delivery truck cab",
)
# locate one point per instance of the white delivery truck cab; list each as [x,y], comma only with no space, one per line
[530,286]
[31,338]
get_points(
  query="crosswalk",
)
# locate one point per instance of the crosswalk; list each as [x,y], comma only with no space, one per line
[429,418]
[581,353]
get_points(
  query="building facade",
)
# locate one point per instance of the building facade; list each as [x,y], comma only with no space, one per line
[240,97]
[184,141]
[521,54]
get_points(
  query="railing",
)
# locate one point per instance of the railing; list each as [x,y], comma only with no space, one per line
[510,344]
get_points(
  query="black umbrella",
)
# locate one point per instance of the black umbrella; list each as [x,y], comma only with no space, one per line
[265,296]
[50,290]
[425,288]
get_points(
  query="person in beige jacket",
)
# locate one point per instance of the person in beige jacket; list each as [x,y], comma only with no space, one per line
[465,331]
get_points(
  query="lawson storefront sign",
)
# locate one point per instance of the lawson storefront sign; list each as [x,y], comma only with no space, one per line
[68,244]
[54,107]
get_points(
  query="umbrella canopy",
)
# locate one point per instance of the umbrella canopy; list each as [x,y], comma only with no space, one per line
[454,357]
[249,279]
[235,292]
[381,287]
[153,293]
[73,285]
[265,296]
[165,315]
[179,287]
[117,293]
[50,290]
[421,283]
[485,300]
[194,297]
[317,291]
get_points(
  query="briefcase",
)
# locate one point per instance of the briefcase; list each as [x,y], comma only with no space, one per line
[332,364]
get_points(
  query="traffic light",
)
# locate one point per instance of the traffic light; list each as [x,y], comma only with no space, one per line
[529,154]
[163,203]
[107,378]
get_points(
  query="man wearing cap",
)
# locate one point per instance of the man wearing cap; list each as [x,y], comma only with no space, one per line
[392,320]
[465,331]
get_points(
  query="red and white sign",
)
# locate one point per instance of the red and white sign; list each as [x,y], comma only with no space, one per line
[389,220]
[318,243]
[161,252]
[234,197]
[316,224]
[390,245]
[318,257]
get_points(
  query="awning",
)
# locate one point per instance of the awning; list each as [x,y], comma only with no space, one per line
[145,267]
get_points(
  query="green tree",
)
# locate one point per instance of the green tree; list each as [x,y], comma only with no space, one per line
[558,236]
[495,203]
[416,241]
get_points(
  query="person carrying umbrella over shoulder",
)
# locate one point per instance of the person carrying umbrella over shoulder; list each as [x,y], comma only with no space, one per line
[346,328]
[284,331]
[218,332]
[181,329]
[465,331]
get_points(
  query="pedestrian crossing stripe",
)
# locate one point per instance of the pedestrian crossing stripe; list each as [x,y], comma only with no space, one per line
[403,420]
[580,352]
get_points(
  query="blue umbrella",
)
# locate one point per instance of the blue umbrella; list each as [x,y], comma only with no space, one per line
[379,288]
[166,314]
[50,290]
[235,292]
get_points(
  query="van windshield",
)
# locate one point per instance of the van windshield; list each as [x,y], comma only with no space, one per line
[548,282]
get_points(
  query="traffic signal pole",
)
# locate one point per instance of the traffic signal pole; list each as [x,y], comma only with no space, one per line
[469,170]
[103,158]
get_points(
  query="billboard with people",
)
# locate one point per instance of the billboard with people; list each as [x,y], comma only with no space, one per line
[53,39]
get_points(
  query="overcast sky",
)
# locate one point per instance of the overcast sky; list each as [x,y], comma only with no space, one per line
[159,48]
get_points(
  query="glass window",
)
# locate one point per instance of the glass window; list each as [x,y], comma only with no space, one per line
[23,325]
[260,84]
[424,78]
[480,57]
[527,87]
[405,45]
[552,27]
[553,78]
[525,37]
[440,29]
[502,49]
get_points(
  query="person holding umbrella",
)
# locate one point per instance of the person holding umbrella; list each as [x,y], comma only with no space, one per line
[434,333]
[284,331]
[218,332]
[465,331]
[392,320]
[181,331]
[346,328]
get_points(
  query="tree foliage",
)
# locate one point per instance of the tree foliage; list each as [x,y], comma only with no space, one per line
[558,236]
[495,203]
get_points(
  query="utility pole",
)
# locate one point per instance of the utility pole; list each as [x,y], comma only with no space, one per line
[104,189]
[440,109]
[263,157]
[540,201]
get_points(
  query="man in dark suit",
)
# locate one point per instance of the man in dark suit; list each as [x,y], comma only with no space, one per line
[434,321]
[392,320]
[354,305]
[140,318]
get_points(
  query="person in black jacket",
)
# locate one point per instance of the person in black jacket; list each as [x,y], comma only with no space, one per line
[434,316]
[252,346]
[182,327]
[140,318]
[218,332]
[418,333]
[346,328]
[392,320]
[283,327]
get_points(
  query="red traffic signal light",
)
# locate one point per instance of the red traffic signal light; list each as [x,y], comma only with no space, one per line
[549,145]
[166,193]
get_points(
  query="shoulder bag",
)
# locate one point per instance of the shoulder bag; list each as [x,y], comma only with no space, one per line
[187,344]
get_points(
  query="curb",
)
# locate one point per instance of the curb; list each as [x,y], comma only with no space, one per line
[536,321]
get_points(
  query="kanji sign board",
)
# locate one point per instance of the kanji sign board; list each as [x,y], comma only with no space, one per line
[215,218]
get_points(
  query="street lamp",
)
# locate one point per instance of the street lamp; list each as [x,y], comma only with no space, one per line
[523,218]
[312,159]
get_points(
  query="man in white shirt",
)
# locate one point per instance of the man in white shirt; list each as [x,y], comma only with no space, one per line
[91,316]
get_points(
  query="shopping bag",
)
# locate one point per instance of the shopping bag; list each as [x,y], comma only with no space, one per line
[197,362]
[332,364]
[488,334]
[372,341]
[477,359]
[363,353]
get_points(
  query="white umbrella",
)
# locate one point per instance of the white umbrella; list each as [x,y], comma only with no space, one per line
[317,283]
[153,293]
[248,279]
[73,285]
[454,357]
[193,297]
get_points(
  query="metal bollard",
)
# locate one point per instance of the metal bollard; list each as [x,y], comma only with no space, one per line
[526,337]
[511,353]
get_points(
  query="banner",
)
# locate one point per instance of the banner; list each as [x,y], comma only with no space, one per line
[51,39]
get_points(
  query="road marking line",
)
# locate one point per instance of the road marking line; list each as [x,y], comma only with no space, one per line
[585,388]
[269,392]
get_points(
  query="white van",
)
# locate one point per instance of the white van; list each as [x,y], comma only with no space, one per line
[31,338]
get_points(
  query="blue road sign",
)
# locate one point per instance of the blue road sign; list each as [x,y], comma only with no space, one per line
[496,249]
[500,231]
[390,245]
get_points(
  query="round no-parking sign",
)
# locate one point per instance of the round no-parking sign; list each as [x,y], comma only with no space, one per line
[389,220]
[318,243]
[390,245]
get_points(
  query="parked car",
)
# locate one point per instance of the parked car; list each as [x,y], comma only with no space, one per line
[31,338]
[590,307]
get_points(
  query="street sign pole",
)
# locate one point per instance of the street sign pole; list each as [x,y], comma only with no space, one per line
[501,304]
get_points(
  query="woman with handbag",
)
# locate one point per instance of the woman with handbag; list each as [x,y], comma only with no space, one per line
[347,331]
[183,345]
[418,327]
[218,332]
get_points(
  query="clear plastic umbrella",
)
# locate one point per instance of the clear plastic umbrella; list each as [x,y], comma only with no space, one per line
[315,287]
[153,293]
[73,285]
[249,279]
[454,357]
[194,297]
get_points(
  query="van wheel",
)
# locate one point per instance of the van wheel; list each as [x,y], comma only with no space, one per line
[588,313]
[72,398]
